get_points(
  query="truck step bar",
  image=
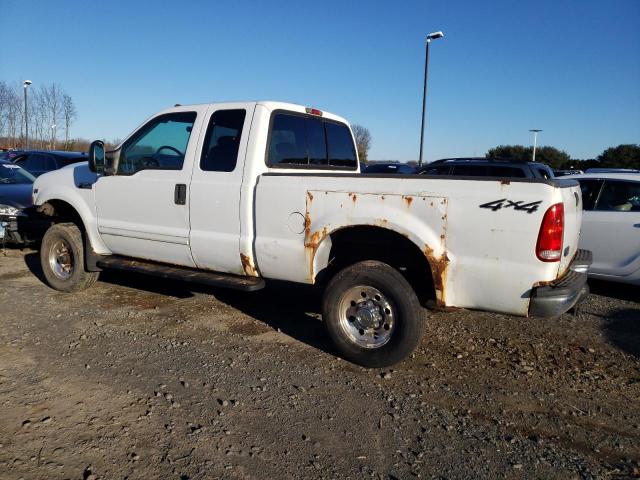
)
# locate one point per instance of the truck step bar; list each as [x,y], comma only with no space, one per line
[174,272]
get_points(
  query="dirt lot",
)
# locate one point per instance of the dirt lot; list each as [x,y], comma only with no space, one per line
[138,378]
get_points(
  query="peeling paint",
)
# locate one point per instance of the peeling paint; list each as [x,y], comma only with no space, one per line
[248,266]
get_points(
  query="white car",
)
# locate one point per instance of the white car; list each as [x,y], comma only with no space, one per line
[611,224]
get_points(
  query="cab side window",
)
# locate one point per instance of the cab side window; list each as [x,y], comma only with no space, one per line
[222,141]
[619,196]
[160,145]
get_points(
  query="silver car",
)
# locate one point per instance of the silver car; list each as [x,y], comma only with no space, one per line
[611,224]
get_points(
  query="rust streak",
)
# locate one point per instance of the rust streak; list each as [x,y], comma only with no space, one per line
[407,199]
[354,197]
[247,265]
[505,182]
[310,195]
[439,272]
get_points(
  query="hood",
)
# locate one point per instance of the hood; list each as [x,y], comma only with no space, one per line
[16,195]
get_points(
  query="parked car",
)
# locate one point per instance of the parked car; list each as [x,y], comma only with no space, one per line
[612,170]
[15,197]
[564,173]
[256,191]
[10,154]
[389,167]
[487,167]
[611,224]
[38,162]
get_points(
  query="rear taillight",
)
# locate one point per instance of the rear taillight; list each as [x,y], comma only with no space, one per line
[549,246]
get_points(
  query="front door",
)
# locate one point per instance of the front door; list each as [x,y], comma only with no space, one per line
[143,210]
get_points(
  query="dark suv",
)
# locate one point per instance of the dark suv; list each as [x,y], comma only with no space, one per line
[37,162]
[487,167]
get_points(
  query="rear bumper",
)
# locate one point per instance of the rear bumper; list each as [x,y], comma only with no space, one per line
[555,298]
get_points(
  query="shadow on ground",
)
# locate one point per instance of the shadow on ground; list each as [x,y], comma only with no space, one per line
[622,329]
[291,308]
[621,291]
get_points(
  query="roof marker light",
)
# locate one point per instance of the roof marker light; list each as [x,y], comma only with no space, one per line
[313,111]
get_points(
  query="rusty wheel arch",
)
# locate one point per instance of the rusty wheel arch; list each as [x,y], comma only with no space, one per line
[356,243]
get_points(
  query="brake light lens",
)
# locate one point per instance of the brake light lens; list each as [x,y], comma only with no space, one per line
[313,111]
[549,246]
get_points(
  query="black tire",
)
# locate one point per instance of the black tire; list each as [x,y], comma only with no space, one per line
[66,238]
[408,319]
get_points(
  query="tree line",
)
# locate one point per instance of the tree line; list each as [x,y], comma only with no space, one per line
[47,105]
[622,156]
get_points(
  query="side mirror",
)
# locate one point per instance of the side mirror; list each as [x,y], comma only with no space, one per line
[96,156]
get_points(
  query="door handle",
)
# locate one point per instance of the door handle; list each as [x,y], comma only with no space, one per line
[180,194]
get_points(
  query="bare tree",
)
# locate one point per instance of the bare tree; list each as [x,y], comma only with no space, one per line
[70,113]
[53,99]
[363,141]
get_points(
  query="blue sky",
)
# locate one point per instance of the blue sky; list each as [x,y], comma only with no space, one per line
[571,68]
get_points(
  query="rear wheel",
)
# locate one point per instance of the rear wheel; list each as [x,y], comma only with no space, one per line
[372,314]
[62,259]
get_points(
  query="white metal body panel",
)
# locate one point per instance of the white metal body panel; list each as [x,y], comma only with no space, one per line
[137,214]
[491,262]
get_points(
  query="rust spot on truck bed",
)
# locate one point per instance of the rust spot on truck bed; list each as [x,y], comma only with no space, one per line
[310,195]
[439,272]
[407,199]
[311,243]
[354,197]
[248,266]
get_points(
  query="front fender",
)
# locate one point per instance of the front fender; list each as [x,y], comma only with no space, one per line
[74,186]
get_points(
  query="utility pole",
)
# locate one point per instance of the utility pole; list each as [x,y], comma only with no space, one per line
[431,36]
[25,85]
[535,132]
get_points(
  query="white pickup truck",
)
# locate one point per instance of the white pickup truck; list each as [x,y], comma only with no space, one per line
[232,194]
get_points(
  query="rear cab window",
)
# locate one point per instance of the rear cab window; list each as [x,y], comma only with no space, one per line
[307,141]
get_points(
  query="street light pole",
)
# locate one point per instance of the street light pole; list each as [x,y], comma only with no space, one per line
[26,84]
[535,141]
[431,36]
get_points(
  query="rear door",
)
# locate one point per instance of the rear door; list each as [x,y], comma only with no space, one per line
[611,226]
[215,189]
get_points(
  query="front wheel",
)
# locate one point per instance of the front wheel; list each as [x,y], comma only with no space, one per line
[372,314]
[62,259]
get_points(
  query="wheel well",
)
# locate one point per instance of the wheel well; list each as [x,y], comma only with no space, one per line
[355,244]
[60,211]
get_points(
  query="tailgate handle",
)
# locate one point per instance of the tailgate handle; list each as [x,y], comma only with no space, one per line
[180,194]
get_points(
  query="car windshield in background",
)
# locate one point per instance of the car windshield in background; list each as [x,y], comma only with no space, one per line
[13,174]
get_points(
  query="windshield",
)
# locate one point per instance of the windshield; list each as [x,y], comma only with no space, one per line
[10,173]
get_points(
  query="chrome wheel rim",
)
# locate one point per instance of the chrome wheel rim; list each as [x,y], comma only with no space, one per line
[367,317]
[61,260]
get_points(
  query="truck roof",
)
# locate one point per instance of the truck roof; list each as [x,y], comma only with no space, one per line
[269,104]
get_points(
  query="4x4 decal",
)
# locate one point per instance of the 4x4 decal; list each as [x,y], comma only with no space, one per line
[496,205]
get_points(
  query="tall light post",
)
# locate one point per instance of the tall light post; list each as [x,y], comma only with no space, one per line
[535,132]
[25,85]
[53,137]
[431,36]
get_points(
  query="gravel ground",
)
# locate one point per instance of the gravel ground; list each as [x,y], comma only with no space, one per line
[140,378]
